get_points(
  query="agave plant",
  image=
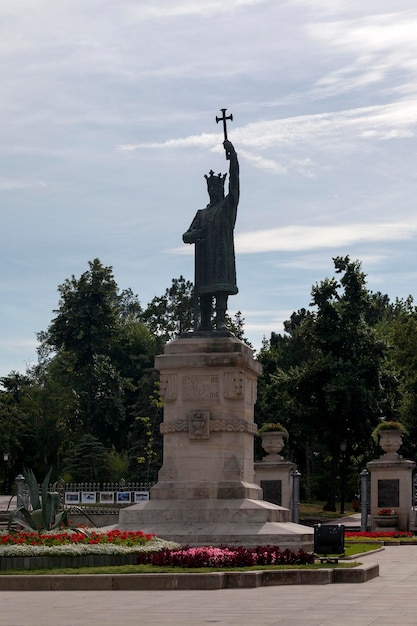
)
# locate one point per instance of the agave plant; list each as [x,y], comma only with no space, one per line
[44,513]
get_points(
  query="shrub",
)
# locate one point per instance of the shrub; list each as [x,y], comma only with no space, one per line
[208,556]
[273,427]
[44,513]
[387,425]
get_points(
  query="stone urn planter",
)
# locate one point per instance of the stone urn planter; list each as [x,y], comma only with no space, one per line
[389,435]
[272,443]
[390,441]
[386,521]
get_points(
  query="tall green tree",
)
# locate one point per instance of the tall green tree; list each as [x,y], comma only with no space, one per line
[12,426]
[83,333]
[144,439]
[86,319]
[332,382]
[33,432]
[399,329]
[171,314]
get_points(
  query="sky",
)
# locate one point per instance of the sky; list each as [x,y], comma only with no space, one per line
[108,125]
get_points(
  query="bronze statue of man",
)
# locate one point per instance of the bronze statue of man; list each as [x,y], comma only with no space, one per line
[212,233]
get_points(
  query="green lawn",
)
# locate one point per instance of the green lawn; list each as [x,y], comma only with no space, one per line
[150,569]
[315,509]
[358,548]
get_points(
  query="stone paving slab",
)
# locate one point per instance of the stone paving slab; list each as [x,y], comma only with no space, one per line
[387,600]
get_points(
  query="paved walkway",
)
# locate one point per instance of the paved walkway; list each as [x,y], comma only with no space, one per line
[7,502]
[390,600]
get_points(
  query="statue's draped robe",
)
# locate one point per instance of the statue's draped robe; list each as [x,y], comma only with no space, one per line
[212,232]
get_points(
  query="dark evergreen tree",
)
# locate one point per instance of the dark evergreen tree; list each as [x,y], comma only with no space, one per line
[88,461]
[171,314]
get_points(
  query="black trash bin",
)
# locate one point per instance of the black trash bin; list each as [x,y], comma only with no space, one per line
[329,542]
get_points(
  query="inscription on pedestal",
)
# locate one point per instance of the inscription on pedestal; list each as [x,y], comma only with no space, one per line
[201,387]
[272,491]
[389,492]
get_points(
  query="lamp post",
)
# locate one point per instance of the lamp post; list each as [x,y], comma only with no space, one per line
[364,500]
[6,457]
[343,447]
[296,496]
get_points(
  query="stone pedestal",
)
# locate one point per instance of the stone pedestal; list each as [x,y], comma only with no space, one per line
[209,391]
[206,493]
[275,480]
[391,488]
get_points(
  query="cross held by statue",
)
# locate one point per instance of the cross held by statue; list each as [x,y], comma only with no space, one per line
[223,119]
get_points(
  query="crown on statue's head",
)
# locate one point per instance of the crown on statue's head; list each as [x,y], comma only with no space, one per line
[215,183]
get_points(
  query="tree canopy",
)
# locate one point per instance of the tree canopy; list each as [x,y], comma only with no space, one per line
[341,363]
[327,378]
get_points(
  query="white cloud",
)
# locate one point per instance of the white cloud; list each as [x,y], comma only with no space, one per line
[262,163]
[352,122]
[378,47]
[163,9]
[291,238]
[204,140]
[397,119]
[320,262]
[10,185]
[260,324]
[295,238]
[370,34]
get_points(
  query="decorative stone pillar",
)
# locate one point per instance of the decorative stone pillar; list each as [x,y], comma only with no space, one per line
[275,479]
[391,483]
[208,385]
[273,474]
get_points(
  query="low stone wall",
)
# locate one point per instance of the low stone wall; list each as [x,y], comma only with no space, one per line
[216,580]
[36,562]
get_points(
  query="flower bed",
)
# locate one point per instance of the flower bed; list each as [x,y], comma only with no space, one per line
[380,534]
[114,537]
[29,550]
[79,544]
[226,557]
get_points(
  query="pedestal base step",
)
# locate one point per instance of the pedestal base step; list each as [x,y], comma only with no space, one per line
[246,522]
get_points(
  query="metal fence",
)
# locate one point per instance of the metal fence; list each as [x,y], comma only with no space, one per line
[121,485]
[104,494]
[94,495]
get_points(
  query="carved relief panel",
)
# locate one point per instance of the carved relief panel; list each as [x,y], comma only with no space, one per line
[199,424]
[168,387]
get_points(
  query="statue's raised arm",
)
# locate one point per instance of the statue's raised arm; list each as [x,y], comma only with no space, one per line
[212,233]
[233,195]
